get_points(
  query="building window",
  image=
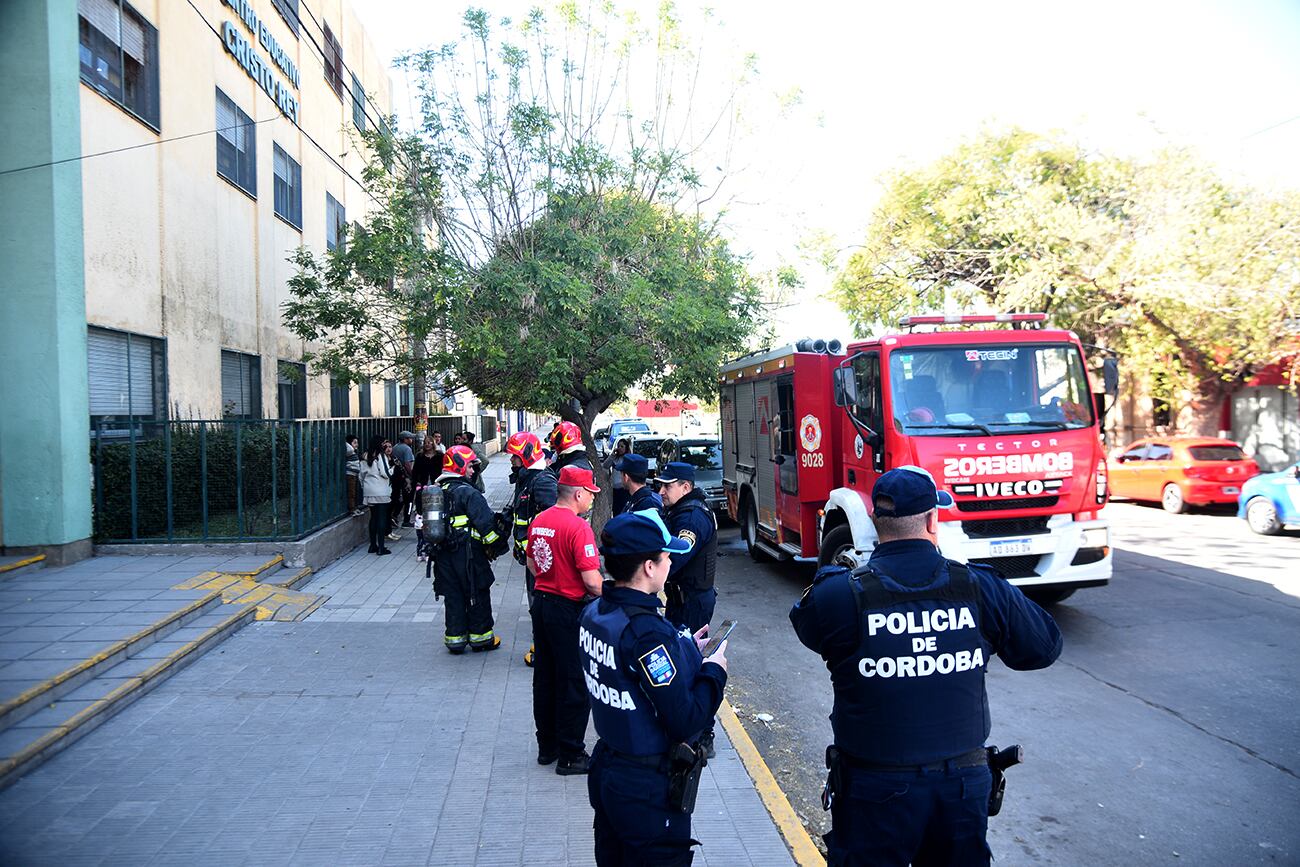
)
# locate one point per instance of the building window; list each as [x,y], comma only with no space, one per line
[288,188]
[404,399]
[241,385]
[358,104]
[288,10]
[291,390]
[336,224]
[119,56]
[340,403]
[236,145]
[333,62]
[363,399]
[128,376]
[390,398]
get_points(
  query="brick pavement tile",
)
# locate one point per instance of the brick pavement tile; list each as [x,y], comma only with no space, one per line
[104,634]
[12,650]
[73,617]
[42,633]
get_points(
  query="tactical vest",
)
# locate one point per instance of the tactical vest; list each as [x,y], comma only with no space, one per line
[913,691]
[624,717]
[524,508]
[456,494]
[574,459]
[699,573]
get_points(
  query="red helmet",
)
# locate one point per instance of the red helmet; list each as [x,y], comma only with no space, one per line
[525,446]
[458,459]
[565,437]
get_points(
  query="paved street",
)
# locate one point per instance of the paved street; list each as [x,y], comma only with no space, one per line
[1166,734]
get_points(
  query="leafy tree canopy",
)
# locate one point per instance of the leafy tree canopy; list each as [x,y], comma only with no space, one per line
[1162,259]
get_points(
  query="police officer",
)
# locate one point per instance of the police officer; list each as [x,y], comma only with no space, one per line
[907,638]
[462,570]
[640,496]
[535,492]
[566,440]
[651,694]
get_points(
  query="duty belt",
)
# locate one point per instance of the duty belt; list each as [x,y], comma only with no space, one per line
[659,761]
[974,759]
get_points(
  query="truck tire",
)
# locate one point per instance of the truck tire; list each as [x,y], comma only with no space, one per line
[1172,499]
[1046,596]
[1262,517]
[834,543]
[749,528]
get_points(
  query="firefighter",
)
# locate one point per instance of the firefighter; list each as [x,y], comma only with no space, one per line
[690,591]
[462,567]
[535,492]
[651,692]
[566,440]
[905,638]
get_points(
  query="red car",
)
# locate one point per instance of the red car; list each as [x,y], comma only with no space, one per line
[1181,471]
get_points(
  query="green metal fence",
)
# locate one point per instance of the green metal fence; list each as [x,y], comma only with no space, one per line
[231,480]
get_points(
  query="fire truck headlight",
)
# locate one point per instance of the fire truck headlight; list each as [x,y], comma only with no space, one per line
[1097,537]
[1102,481]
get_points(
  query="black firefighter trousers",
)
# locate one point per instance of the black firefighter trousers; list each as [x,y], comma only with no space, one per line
[463,577]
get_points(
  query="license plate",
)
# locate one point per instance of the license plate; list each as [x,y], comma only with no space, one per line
[1231,489]
[1009,547]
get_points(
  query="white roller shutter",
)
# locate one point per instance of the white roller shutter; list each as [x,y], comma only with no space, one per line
[105,16]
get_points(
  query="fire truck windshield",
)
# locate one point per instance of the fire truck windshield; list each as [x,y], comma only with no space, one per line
[990,389]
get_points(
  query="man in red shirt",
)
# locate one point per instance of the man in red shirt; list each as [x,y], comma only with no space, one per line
[565,565]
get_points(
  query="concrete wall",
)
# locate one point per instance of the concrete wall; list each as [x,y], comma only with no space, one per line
[44,412]
[172,249]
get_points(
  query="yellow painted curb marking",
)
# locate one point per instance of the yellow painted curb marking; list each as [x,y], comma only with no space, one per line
[18,564]
[273,601]
[111,650]
[131,684]
[806,853]
[278,558]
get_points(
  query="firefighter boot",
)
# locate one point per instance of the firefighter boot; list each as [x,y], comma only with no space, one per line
[528,657]
[456,643]
[486,641]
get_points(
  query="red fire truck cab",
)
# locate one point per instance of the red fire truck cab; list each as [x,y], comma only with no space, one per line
[1004,418]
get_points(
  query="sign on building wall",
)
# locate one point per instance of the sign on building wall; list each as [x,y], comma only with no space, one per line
[253,63]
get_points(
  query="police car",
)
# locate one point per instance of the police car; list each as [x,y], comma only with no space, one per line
[1272,500]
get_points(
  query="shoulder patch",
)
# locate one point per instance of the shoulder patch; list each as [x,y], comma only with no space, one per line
[688,535]
[658,666]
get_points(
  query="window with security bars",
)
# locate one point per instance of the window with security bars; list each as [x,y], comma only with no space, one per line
[241,385]
[340,405]
[291,390]
[358,104]
[333,62]
[127,376]
[288,188]
[336,224]
[236,145]
[119,56]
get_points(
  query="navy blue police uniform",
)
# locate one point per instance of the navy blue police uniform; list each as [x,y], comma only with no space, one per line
[645,497]
[690,590]
[461,567]
[649,689]
[907,639]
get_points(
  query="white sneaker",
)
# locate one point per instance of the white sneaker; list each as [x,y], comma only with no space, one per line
[394,537]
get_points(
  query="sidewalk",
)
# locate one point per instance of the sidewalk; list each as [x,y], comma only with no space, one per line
[350,737]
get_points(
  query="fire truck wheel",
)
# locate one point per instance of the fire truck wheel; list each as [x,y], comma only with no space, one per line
[1046,596]
[1172,499]
[749,528]
[838,541]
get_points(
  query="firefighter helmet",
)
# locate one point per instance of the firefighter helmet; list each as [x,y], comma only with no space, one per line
[525,446]
[458,460]
[566,438]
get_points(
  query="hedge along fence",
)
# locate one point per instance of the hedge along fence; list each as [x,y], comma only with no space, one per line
[232,480]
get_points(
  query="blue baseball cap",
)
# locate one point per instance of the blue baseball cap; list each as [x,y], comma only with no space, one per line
[640,533]
[677,471]
[907,490]
[633,465]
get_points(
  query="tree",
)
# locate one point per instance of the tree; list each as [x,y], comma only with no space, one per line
[1184,272]
[376,304]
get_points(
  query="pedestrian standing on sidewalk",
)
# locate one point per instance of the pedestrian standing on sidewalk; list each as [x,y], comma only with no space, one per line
[909,778]
[652,693]
[403,467]
[375,478]
[690,590]
[461,565]
[565,566]
[390,532]
[609,464]
[352,469]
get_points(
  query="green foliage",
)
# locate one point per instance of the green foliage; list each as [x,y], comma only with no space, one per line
[1160,259]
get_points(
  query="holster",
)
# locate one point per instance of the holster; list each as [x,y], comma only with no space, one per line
[685,765]
[834,776]
[676,595]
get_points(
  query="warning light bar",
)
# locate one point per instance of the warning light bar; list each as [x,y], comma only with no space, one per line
[970,319]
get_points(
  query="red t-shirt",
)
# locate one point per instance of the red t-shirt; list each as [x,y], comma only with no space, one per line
[561,547]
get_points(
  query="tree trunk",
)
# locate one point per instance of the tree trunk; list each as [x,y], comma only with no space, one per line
[421,407]
[1203,413]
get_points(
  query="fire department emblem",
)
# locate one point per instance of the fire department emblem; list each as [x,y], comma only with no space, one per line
[810,433]
[540,551]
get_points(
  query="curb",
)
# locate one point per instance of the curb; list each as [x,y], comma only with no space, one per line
[85,721]
[122,647]
[253,573]
[805,852]
[19,564]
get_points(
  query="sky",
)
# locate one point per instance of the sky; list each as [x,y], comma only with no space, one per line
[887,84]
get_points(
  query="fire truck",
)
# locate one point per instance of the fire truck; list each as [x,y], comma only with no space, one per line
[997,407]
